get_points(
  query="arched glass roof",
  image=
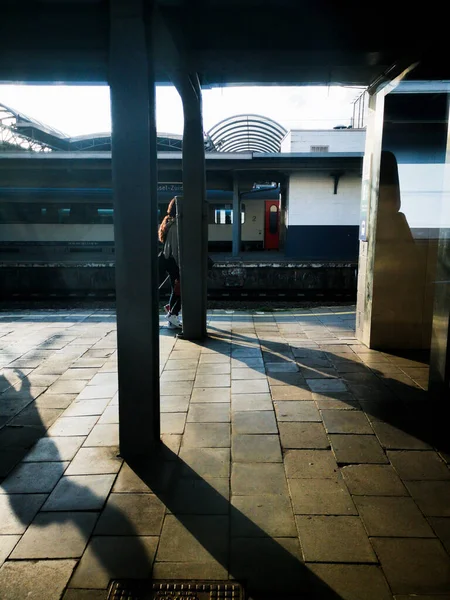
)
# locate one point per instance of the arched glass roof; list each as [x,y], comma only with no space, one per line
[247,133]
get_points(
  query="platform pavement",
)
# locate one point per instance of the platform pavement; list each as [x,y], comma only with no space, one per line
[293,459]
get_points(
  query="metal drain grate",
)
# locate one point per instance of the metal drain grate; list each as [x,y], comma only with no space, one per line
[129,589]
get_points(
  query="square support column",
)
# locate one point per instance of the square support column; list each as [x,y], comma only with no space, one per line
[134,174]
[193,227]
[237,227]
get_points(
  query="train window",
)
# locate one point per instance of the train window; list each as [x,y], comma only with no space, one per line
[273,219]
[223,214]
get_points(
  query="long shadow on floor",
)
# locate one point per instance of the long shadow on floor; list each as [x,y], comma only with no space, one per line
[339,379]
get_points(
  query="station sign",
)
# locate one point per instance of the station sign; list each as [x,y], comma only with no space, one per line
[175,188]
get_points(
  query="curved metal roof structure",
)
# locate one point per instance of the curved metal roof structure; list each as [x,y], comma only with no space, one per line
[247,133]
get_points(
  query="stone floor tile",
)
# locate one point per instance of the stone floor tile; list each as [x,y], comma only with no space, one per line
[176,388]
[251,402]
[255,448]
[205,462]
[217,412]
[214,359]
[174,403]
[190,570]
[441,528]
[310,464]
[9,458]
[173,422]
[94,392]
[292,411]
[258,478]
[196,496]
[373,480]
[79,492]
[72,426]
[419,465]
[269,564]
[340,421]
[334,539]
[104,379]
[105,434]
[194,538]
[20,437]
[56,535]
[36,416]
[357,449]
[109,415]
[84,408]
[290,379]
[262,515]
[303,436]
[256,386]
[392,517]
[326,385]
[17,511]
[281,367]
[432,497]
[86,374]
[206,435]
[7,543]
[33,478]
[414,566]
[178,375]
[213,380]
[89,363]
[131,514]
[212,368]
[95,461]
[247,363]
[67,386]
[335,401]
[114,557]
[54,400]
[170,445]
[254,422]
[352,582]
[54,449]
[211,395]
[37,579]
[321,497]
[395,438]
[177,365]
[290,392]
[248,374]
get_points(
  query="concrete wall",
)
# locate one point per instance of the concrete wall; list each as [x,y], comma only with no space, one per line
[337,140]
[320,224]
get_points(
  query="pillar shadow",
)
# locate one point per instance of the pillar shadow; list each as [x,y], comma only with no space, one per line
[408,408]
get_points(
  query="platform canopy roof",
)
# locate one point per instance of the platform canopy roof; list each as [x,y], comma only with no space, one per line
[229,42]
[247,133]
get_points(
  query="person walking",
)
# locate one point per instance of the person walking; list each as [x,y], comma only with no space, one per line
[168,235]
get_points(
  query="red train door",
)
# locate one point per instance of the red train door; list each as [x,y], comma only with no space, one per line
[272,225]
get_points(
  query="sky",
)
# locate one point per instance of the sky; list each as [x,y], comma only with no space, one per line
[78,110]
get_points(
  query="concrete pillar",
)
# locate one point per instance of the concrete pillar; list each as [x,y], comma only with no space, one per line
[237,226]
[193,225]
[405,148]
[439,383]
[134,174]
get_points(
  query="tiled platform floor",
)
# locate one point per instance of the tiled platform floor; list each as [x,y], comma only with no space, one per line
[294,459]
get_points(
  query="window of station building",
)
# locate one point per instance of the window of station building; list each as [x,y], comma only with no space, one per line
[223,214]
[319,148]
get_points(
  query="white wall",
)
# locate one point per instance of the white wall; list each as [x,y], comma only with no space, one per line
[312,201]
[421,192]
[338,140]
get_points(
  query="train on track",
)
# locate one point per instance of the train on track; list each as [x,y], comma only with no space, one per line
[63,224]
